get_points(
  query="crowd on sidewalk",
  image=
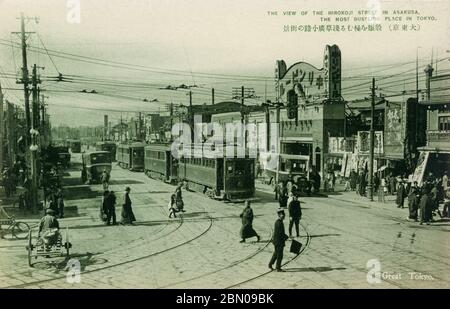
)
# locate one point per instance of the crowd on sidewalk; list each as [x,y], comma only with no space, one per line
[423,202]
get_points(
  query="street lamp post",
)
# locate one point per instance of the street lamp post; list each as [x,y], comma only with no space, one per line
[34,148]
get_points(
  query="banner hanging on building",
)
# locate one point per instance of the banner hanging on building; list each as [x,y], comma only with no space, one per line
[363,142]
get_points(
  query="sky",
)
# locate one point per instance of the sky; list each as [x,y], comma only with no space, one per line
[173,40]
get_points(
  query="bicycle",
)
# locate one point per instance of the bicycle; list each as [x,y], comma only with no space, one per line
[18,229]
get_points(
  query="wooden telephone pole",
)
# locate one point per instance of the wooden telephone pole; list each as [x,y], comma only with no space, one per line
[2,126]
[25,78]
[372,141]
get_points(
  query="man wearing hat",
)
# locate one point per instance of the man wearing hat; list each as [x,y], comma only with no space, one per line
[278,240]
[401,194]
[49,227]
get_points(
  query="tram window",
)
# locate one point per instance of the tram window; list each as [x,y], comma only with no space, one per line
[213,163]
[240,167]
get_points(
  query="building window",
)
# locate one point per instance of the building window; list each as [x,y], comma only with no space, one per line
[444,123]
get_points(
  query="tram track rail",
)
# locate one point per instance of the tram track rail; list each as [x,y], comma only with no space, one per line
[99,269]
[306,245]
[362,269]
[231,265]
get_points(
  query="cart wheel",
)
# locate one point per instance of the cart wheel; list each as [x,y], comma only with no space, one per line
[20,230]
[29,249]
[67,244]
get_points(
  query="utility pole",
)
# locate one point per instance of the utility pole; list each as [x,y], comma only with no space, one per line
[242,104]
[372,142]
[120,138]
[35,98]
[191,117]
[171,119]
[278,139]
[140,127]
[43,131]
[417,97]
[212,95]
[2,126]
[25,79]
[34,135]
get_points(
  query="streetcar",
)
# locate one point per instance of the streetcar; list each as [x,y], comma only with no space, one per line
[93,165]
[74,145]
[131,156]
[217,175]
[160,164]
[107,146]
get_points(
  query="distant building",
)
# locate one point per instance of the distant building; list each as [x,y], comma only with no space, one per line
[435,155]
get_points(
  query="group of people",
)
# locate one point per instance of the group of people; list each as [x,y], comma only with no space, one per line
[176,203]
[423,202]
[279,236]
[108,209]
[55,202]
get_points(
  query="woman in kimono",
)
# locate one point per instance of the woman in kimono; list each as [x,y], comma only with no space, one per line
[247,230]
[401,194]
[413,204]
[127,212]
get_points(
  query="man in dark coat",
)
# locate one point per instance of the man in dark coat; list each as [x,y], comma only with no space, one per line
[413,203]
[425,206]
[247,230]
[317,180]
[104,208]
[376,182]
[282,195]
[401,194]
[353,178]
[111,208]
[392,183]
[179,198]
[278,240]
[127,211]
[60,203]
[295,214]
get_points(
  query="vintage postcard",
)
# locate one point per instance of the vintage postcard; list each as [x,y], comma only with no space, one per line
[224,144]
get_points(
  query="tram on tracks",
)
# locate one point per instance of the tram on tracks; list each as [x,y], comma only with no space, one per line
[131,156]
[108,146]
[160,164]
[219,176]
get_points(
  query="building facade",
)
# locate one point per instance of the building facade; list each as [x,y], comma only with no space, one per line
[319,109]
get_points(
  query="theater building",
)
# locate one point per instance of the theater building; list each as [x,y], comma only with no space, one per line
[321,110]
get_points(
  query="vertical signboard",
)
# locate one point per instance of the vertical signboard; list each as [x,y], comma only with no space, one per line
[421,166]
[393,131]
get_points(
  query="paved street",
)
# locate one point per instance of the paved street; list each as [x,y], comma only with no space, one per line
[201,249]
